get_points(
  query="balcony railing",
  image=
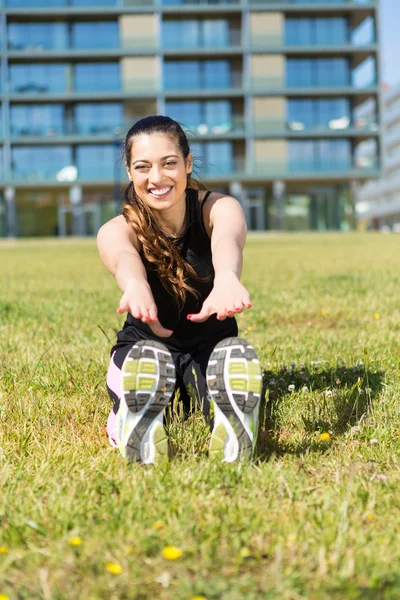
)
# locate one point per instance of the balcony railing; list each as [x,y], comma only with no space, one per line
[342,125]
[149,3]
[218,169]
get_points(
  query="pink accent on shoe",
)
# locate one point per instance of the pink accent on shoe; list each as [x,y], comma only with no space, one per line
[114,377]
[113,382]
[111,429]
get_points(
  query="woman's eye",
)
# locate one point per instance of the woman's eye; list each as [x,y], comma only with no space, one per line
[141,167]
[170,163]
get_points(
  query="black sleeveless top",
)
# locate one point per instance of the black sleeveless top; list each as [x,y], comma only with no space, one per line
[195,247]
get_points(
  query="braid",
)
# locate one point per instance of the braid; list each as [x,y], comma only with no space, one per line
[159,252]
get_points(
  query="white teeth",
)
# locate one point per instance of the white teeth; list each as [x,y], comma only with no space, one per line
[160,192]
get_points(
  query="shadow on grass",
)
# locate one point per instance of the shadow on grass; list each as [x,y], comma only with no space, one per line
[329,399]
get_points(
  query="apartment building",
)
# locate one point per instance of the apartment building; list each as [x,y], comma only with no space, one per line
[268,91]
[378,205]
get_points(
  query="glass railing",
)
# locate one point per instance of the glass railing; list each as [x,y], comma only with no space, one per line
[312,2]
[98,172]
[233,39]
[30,87]
[272,168]
[149,3]
[184,84]
[233,125]
[340,125]
[37,131]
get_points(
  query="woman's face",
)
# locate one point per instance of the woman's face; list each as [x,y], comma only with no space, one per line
[158,170]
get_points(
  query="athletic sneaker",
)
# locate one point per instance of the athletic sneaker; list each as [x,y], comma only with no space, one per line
[147,385]
[234,383]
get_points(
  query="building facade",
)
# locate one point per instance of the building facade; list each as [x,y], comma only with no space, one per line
[268,91]
[378,201]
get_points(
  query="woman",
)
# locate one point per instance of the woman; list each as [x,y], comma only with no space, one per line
[176,254]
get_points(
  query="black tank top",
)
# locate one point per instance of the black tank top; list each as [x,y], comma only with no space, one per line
[195,247]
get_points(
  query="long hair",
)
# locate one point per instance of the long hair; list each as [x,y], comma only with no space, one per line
[159,252]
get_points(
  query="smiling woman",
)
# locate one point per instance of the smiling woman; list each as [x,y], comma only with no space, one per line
[177,259]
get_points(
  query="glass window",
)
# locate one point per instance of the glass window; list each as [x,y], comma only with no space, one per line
[213,116]
[190,33]
[319,155]
[181,34]
[90,77]
[316,31]
[215,32]
[183,74]
[100,34]
[37,78]
[213,158]
[217,74]
[317,72]
[37,119]
[97,161]
[39,163]
[98,118]
[37,36]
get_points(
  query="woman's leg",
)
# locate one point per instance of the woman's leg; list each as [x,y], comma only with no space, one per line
[113,383]
[140,381]
[194,379]
[235,383]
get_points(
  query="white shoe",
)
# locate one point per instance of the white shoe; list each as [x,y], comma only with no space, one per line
[147,385]
[234,382]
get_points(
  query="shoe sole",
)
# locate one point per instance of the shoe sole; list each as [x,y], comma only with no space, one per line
[147,385]
[234,382]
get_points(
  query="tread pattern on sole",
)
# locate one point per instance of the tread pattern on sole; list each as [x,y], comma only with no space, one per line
[217,384]
[162,384]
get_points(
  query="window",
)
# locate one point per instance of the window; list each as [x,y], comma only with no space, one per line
[318,31]
[214,116]
[98,118]
[38,78]
[97,161]
[319,155]
[37,36]
[317,72]
[192,74]
[195,33]
[101,34]
[40,163]
[37,119]
[91,77]
[213,158]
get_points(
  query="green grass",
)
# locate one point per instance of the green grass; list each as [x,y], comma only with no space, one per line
[309,519]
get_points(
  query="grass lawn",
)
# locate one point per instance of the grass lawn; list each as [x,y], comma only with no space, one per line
[313,517]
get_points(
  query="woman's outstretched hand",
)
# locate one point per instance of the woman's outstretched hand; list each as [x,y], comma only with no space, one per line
[227,298]
[138,300]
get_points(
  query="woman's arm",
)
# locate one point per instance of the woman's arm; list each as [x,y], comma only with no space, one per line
[228,236]
[119,250]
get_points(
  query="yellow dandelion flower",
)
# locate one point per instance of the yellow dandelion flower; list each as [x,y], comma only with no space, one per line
[198,598]
[3,550]
[43,341]
[377,316]
[325,436]
[158,525]
[245,552]
[250,328]
[370,516]
[324,313]
[171,552]
[75,541]
[4,597]
[114,568]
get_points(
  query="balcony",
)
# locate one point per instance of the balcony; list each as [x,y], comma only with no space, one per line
[341,127]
